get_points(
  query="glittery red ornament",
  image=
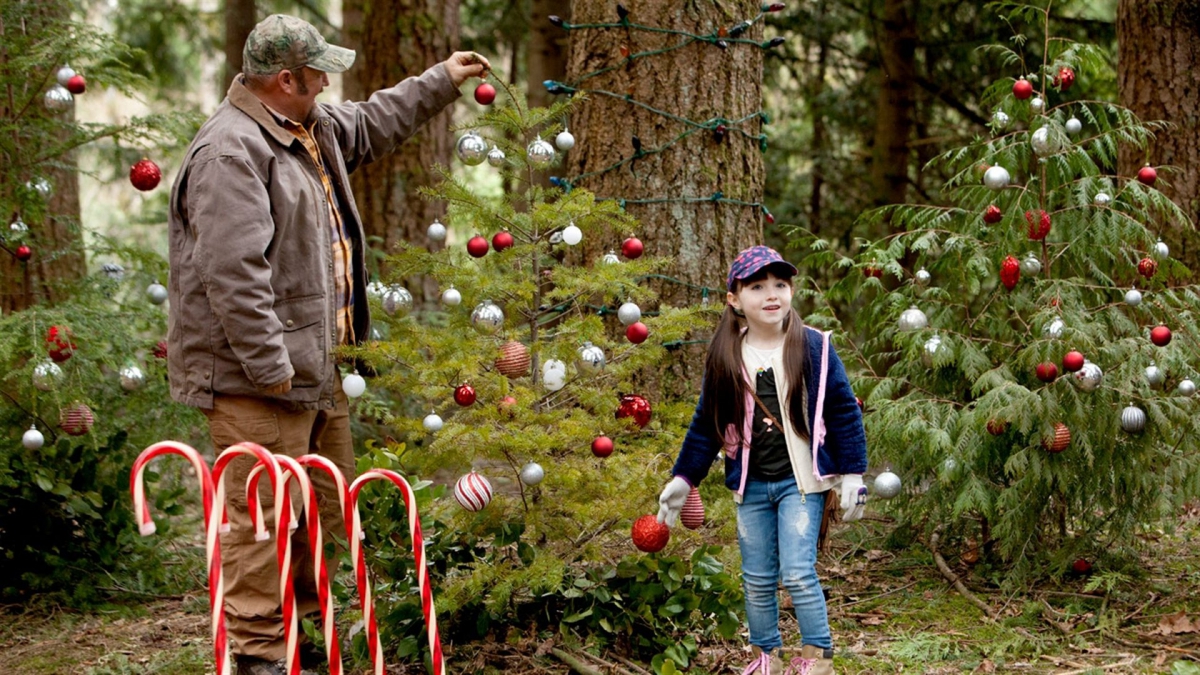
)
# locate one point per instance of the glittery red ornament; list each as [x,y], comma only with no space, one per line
[649,535]
[502,240]
[996,427]
[636,407]
[1010,272]
[76,420]
[632,248]
[58,343]
[602,446]
[485,94]
[1147,267]
[145,175]
[1047,371]
[513,360]
[692,514]
[1022,89]
[1147,175]
[1160,335]
[637,332]
[1073,361]
[160,350]
[1060,440]
[464,395]
[992,214]
[1081,566]
[77,85]
[477,246]
[1039,224]
[23,253]
[1065,78]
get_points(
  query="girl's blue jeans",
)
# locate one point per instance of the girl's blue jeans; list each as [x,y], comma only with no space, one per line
[777,534]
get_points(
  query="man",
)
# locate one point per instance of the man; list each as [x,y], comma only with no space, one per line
[267,279]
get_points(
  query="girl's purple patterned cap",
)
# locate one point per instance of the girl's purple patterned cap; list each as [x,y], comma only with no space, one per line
[753,260]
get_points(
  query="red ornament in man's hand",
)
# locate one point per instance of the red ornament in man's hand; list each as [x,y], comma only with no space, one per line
[485,94]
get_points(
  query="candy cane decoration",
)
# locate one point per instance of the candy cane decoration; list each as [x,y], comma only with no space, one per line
[212,544]
[283,542]
[364,585]
[332,648]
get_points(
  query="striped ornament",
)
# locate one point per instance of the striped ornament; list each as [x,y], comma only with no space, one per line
[692,515]
[1133,419]
[513,360]
[473,491]
[76,420]
[1060,440]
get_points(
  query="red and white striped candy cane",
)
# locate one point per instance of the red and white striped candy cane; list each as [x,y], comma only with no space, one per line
[420,565]
[283,542]
[212,543]
[332,648]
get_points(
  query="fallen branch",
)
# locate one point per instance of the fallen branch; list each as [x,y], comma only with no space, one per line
[1112,666]
[880,595]
[618,670]
[631,664]
[954,578]
[575,664]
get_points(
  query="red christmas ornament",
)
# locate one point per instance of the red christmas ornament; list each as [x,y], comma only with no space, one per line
[23,253]
[649,535]
[59,344]
[992,214]
[145,175]
[1147,175]
[1081,566]
[1072,361]
[1039,224]
[77,85]
[1047,371]
[861,406]
[1160,335]
[632,248]
[485,94]
[1065,78]
[692,515]
[996,427]
[872,271]
[160,350]
[1060,440]
[1147,267]
[477,246]
[76,420]
[501,240]
[506,405]
[636,407]
[637,332]
[769,216]
[1022,89]
[513,360]
[602,446]
[464,395]
[1010,272]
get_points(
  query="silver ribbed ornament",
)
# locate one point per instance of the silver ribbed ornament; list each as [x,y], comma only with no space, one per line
[58,99]
[46,375]
[629,313]
[532,473]
[397,299]
[1186,387]
[540,154]
[996,178]
[487,317]
[912,319]
[436,231]
[1155,376]
[922,277]
[1102,199]
[1133,419]
[496,157]
[132,378]
[1088,377]
[1031,265]
[157,293]
[887,485]
[591,358]
[471,149]
[1073,126]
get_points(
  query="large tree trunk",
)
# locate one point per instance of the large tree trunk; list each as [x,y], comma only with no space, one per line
[699,82]
[240,19]
[1158,76]
[894,119]
[395,40]
[53,218]
[546,58]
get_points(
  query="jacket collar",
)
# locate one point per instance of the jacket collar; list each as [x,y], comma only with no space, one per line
[245,100]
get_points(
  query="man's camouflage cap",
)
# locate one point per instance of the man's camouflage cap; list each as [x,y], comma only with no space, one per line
[282,42]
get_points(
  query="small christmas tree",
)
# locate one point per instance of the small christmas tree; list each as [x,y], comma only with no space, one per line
[1019,376]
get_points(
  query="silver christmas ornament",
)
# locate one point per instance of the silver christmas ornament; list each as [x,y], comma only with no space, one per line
[1073,126]
[922,277]
[887,485]
[397,299]
[1186,387]
[1133,419]
[564,140]
[496,157]
[996,177]
[1155,376]
[58,99]
[46,375]
[64,75]
[40,185]
[1031,265]
[912,319]
[611,258]
[487,317]
[436,231]
[132,378]
[629,313]
[432,423]
[1000,119]
[18,226]
[932,345]
[471,149]
[1054,329]
[532,473]
[1089,376]
[540,154]
[451,297]
[1161,250]
[33,439]
[1037,105]
[949,466]
[376,289]
[1043,142]
[1102,199]
[113,271]
[157,293]
[591,358]
[556,238]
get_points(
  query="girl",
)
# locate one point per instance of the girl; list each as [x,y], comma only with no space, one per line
[791,433]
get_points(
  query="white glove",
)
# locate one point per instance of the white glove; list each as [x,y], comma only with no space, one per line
[854,497]
[671,501]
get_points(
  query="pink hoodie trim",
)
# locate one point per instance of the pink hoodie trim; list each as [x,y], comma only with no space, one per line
[819,415]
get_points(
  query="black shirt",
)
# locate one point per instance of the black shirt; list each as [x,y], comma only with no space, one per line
[769,459]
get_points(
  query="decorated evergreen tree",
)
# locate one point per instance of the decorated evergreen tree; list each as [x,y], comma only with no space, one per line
[1022,388]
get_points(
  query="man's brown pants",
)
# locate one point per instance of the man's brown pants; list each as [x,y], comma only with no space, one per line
[253,614]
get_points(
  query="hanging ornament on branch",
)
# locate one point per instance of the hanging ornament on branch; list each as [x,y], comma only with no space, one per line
[473,491]
[1010,272]
[471,149]
[145,175]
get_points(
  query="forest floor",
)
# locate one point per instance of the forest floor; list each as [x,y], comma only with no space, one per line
[891,612]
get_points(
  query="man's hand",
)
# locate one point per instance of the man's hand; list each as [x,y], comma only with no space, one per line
[280,389]
[464,65]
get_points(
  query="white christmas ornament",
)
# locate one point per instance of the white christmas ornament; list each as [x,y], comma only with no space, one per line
[1031,265]
[887,485]
[572,235]
[1073,126]
[64,75]
[451,297]
[1000,119]
[1133,297]
[1186,387]
[1155,376]
[1161,250]
[132,378]
[487,317]
[58,99]
[912,319]
[564,140]
[611,258]
[33,439]
[157,293]
[922,277]
[553,366]
[532,473]
[353,385]
[591,358]
[471,149]
[46,375]
[1089,376]
[1102,199]
[996,178]
[496,157]
[1037,105]
[540,154]
[432,423]
[397,299]
[554,380]
[436,231]
[629,313]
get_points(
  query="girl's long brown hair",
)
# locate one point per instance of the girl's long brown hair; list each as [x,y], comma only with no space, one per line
[724,389]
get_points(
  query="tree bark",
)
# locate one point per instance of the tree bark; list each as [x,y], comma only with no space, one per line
[546,58]
[396,40]
[240,19]
[52,219]
[1158,78]
[894,122]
